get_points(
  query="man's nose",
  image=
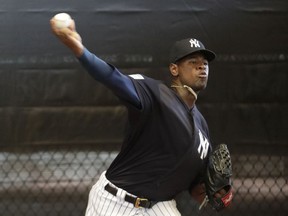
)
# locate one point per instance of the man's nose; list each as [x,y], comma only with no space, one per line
[202,66]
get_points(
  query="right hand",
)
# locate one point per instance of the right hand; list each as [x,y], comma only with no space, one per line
[69,37]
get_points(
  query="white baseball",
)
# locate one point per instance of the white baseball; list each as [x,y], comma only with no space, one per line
[62,20]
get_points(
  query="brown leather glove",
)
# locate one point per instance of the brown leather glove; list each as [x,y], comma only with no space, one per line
[218,178]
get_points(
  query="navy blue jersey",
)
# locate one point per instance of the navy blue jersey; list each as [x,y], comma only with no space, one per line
[166,146]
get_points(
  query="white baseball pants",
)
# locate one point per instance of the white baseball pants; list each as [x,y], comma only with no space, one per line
[103,203]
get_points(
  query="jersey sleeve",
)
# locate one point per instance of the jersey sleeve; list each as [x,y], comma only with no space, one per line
[111,77]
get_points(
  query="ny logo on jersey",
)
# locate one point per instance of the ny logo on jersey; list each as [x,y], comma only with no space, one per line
[194,43]
[203,146]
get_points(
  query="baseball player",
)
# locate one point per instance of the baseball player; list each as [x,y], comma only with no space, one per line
[165,150]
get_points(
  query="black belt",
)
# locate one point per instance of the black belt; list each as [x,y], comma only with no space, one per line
[136,201]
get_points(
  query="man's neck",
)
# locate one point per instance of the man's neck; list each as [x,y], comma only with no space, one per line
[187,94]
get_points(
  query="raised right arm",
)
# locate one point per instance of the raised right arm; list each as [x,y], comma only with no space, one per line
[111,77]
[105,73]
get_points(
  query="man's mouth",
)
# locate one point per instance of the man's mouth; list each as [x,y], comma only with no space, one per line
[202,75]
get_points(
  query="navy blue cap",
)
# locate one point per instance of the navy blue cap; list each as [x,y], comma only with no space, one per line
[188,46]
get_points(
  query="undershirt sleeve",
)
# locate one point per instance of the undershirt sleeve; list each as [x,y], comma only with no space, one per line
[111,77]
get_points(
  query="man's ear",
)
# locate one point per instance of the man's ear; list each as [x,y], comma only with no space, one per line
[173,69]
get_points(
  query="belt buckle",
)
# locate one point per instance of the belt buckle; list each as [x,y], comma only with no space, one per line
[138,202]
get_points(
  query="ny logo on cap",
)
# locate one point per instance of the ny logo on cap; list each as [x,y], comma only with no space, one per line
[194,43]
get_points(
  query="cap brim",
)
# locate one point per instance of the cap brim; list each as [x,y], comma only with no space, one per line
[208,54]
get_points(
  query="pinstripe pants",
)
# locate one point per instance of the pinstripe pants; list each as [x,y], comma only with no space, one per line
[102,203]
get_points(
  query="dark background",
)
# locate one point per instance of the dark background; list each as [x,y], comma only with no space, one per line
[47,100]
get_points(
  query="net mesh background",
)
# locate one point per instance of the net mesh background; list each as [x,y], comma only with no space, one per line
[56,181]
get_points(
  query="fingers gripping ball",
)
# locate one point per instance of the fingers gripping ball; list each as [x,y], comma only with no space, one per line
[62,20]
[218,177]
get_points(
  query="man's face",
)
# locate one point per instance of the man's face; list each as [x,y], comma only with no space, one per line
[193,71]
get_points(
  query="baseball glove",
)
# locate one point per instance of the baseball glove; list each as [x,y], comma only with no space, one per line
[218,177]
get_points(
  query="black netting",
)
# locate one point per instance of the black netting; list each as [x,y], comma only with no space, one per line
[56,181]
